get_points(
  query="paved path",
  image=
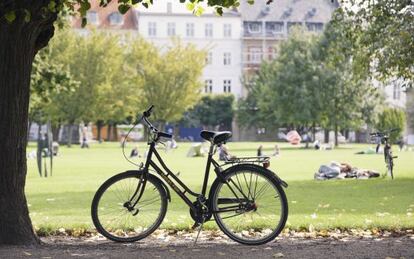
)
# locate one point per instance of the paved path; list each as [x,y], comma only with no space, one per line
[402,247]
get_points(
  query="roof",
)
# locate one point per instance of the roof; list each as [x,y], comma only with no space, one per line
[288,10]
[129,19]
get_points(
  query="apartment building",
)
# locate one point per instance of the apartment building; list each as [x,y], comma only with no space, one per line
[219,36]
[265,26]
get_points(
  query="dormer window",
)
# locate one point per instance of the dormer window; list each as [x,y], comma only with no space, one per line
[116,19]
[92,17]
[254,27]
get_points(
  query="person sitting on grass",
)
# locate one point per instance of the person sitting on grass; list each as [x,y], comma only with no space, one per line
[276,152]
[134,152]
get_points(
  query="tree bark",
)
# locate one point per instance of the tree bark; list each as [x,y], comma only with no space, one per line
[326,135]
[16,55]
[70,134]
[115,132]
[55,131]
[336,134]
[99,125]
[109,132]
[19,42]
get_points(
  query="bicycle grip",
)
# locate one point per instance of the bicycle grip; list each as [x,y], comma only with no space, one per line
[147,113]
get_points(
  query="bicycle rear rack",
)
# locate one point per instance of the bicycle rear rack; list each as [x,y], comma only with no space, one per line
[248,160]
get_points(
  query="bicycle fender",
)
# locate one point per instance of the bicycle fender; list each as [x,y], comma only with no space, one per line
[260,168]
[155,178]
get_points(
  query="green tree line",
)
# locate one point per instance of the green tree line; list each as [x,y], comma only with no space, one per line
[106,79]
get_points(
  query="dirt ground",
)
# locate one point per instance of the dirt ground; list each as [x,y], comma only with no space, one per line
[285,247]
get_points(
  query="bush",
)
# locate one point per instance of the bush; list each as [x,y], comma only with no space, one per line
[392,118]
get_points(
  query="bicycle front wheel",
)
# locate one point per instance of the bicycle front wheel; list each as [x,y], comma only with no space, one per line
[250,206]
[115,214]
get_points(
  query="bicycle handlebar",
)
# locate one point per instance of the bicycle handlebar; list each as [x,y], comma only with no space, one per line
[145,116]
[147,113]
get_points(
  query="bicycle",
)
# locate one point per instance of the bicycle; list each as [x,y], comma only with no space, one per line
[246,199]
[388,157]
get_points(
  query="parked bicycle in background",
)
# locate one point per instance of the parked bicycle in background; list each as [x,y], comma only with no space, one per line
[383,138]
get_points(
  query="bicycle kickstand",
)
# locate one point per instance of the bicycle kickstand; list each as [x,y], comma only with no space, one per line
[200,227]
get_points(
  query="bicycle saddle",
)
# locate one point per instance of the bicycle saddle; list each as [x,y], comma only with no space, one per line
[216,137]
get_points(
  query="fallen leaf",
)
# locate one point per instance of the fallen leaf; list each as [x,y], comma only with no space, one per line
[278,255]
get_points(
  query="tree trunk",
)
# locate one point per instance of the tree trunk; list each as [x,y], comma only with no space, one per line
[115,132]
[108,132]
[336,134]
[19,42]
[326,135]
[55,131]
[70,134]
[314,131]
[99,125]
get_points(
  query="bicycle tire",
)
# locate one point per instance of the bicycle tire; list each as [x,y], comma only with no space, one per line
[121,235]
[241,236]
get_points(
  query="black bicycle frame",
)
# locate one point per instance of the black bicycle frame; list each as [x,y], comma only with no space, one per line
[167,174]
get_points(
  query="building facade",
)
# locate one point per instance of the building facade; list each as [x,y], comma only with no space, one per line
[265,26]
[220,37]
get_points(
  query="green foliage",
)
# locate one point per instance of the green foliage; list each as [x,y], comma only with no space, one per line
[109,89]
[315,81]
[384,31]
[289,85]
[48,79]
[392,118]
[212,111]
[347,92]
[168,78]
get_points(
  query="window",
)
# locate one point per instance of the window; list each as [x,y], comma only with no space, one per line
[93,17]
[396,93]
[316,27]
[152,29]
[227,30]
[171,29]
[227,58]
[208,30]
[255,55]
[208,86]
[169,7]
[227,86]
[116,19]
[209,58]
[190,29]
[254,27]
[274,27]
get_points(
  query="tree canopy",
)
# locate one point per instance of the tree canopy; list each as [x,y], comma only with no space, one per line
[384,30]
[312,82]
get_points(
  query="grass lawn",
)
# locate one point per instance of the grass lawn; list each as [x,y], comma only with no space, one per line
[64,200]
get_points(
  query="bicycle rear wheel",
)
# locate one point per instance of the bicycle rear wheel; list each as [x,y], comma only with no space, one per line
[114,215]
[251,206]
